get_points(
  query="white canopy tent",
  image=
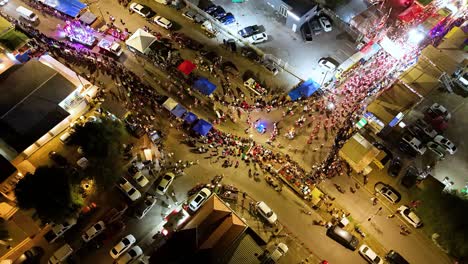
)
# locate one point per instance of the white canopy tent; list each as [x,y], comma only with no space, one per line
[170,104]
[140,41]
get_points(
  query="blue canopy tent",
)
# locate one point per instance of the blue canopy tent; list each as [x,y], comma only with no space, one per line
[179,111]
[204,86]
[304,90]
[190,118]
[202,127]
[68,7]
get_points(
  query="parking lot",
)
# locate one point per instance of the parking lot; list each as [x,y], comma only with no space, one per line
[288,46]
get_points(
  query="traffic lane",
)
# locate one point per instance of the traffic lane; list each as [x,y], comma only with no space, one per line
[386,231]
[286,204]
[193,30]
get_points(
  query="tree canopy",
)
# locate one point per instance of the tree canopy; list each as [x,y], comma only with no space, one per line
[48,191]
[102,145]
[445,213]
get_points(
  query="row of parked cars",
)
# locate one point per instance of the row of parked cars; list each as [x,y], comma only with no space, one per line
[315,26]
[147,12]
[426,134]
[351,242]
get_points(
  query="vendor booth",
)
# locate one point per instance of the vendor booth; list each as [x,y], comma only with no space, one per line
[178,111]
[304,90]
[204,86]
[186,67]
[68,7]
[170,104]
[202,127]
[190,118]
[140,41]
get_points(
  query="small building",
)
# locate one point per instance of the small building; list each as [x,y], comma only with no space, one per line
[296,12]
[359,153]
[214,234]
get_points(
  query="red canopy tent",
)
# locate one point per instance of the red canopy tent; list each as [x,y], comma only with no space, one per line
[187,67]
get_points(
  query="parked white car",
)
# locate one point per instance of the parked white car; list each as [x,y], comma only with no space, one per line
[410,216]
[164,184]
[414,143]
[131,255]
[140,9]
[446,144]
[145,206]
[93,231]
[128,189]
[140,179]
[199,199]
[327,64]
[369,255]
[265,211]
[258,38]
[162,22]
[3,2]
[325,24]
[122,246]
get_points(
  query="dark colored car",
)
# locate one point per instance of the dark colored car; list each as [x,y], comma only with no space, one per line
[389,154]
[315,26]
[228,19]
[406,148]
[58,159]
[218,13]
[306,33]
[410,178]
[250,54]
[249,31]
[394,257]
[343,237]
[31,256]
[210,9]
[395,167]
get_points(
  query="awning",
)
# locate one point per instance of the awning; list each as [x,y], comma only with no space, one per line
[140,41]
[190,118]
[88,18]
[202,127]
[304,90]
[204,86]
[179,111]
[170,104]
[68,7]
[187,67]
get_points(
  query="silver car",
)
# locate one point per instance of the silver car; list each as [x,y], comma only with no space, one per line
[388,192]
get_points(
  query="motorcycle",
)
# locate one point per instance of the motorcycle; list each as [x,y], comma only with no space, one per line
[359,231]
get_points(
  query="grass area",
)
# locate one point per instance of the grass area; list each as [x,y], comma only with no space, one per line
[4,24]
[424,2]
[13,39]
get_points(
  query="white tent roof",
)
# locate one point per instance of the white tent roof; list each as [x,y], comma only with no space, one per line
[140,40]
[170,104]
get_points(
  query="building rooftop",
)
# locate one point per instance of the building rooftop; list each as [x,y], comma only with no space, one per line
[29,106]
[210,236]
[300,7]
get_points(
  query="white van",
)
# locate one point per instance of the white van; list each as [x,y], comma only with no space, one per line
[61,254]
[27,14]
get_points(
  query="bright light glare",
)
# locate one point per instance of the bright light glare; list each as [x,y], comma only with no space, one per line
[392,48]
[415,36]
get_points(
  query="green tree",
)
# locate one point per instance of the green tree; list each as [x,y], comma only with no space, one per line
[445,213]
[102,144]
[47,191]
